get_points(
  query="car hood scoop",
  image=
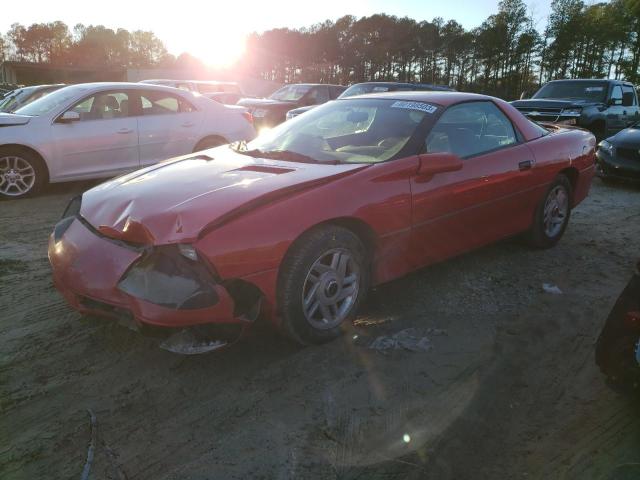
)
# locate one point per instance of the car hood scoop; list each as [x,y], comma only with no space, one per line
[11,119]
[174,200]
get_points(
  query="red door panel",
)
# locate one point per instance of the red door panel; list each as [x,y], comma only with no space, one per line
[489,198]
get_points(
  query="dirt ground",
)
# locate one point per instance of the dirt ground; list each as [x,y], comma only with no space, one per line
[508,389]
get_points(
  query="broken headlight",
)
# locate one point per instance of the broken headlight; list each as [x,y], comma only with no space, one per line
[70,213]
[171,276]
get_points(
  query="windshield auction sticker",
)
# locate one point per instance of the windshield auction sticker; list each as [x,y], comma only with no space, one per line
[423,107]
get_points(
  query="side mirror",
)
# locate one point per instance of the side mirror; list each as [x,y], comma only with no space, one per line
[433,163]
[614,101]
[68,117]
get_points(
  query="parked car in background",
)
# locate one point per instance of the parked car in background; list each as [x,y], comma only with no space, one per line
[222,92]
[618,346]
[299,223]
[269,112]
[376,87]
[99,130]
[23,96]
[619,156]
[602,106]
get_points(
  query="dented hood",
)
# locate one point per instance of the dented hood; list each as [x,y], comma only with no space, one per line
[175,200]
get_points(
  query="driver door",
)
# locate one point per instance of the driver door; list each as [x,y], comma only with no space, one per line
[103,142]
[489,198]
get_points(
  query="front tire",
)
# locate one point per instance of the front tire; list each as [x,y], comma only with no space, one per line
[552,215]
[22,173]
[324,279]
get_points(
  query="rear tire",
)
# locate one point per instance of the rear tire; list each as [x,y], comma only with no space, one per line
[323,281]
[22,173]
[552,215]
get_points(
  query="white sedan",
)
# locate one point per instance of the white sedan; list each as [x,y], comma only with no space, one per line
[99,130]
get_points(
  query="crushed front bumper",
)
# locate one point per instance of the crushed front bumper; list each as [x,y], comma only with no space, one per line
[87,268]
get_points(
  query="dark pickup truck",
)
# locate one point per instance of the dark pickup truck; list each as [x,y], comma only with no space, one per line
[269,112]
[603,106]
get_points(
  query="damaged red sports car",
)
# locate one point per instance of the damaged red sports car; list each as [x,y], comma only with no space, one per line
[298,224]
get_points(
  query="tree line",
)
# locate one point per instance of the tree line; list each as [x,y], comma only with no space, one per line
[94,46]
[504,56]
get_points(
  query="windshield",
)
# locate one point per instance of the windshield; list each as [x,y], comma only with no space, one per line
[50,102]
[15,98]
[290,93]
[345,131]
[590,91]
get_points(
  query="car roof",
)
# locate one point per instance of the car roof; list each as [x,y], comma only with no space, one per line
[608,80]
[444,98]
[315,84]
[127,85]
[404,84]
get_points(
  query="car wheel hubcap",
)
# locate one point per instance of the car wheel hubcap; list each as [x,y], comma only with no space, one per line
[17,176]
[556,209]
[330,289]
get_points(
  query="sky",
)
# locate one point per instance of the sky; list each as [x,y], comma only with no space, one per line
[214,30]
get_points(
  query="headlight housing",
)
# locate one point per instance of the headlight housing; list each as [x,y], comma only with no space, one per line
[574,111]
[171,276]
[606,147]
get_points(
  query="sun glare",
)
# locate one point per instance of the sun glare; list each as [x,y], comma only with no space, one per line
[219,47]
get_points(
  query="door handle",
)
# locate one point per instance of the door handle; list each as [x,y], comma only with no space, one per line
[125,130]
[188,124]
[525,165]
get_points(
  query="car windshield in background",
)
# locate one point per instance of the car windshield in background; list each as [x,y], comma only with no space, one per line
[290,93]
[591,91]
[50,102]
[15,97]
[346,131]
[354,90]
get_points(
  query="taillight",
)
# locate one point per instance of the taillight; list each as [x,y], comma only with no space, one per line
[248,117]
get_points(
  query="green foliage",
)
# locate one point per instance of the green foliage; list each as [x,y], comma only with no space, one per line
[87,45]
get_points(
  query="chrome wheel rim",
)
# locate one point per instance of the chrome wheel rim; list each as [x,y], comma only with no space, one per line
[17,176]
[556,209]
[330,289]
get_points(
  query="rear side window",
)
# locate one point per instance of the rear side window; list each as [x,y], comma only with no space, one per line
[616,95]
[161,103]
[628,96]
[471,129]
[318,95]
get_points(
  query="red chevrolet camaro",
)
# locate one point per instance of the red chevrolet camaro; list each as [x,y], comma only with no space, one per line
[298,224]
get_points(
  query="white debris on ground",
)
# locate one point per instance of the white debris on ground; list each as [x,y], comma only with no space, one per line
[551,288]
[407,339]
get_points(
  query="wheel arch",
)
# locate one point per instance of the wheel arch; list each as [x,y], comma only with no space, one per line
[359,227]
[572,174]
[31,150]
[209,137]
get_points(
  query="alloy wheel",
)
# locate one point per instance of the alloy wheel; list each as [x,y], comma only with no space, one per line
[330,289]
[556,209]
[17,176]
